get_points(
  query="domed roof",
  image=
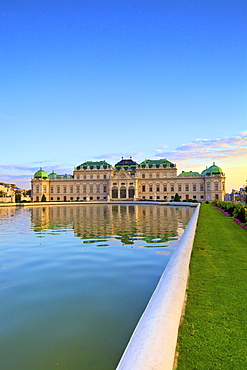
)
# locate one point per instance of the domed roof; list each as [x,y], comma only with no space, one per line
[52,175]
[40,173]
[126,163]
[212,170]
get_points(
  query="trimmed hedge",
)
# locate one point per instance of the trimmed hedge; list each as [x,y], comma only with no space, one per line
[235,210]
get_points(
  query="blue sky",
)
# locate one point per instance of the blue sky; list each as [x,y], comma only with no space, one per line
[87,80]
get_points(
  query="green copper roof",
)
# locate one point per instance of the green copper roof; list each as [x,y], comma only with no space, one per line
[55,176]
[212,170]
[156,162]
[40,173]
[92,164]
[52,175]
[189,174]
[65,176]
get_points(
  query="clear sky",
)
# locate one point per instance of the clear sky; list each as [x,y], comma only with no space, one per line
[99,79]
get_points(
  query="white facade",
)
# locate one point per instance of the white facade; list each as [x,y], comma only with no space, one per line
[150,180]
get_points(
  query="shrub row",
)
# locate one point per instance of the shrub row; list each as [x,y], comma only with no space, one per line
[235,210]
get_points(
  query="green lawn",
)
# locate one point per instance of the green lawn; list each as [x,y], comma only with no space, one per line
[214,330]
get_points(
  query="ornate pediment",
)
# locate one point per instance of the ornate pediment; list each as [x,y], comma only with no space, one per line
[122,174]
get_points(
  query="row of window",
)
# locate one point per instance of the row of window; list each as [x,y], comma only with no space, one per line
[172,197]
[143,175]
[150,188]
[155,175]
[91,177]
[70,189]
[70,199]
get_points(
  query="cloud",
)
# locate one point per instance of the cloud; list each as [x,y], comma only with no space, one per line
[21,175]
[17,167]
[223,149]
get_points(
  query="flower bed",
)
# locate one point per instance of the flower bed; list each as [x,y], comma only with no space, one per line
[235,210]
[244,226]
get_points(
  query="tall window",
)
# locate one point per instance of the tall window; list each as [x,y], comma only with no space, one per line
[201,187]
[208,186]
[104,188]
[84,189]
[216,186]
[98,189]
[91,188]
[194,187]
[150,175]
[186,187]
[78,188]
[157,188]
[172,187]
[143,175]
[179,187]
[45,189]
[58,189]
[143,188]
[165,187]
[65,189]
[71,188]
[150,188]
[51,189]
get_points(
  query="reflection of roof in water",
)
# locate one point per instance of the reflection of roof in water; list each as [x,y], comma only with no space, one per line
[129,224]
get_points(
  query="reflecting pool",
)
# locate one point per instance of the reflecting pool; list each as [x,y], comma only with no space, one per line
[76,279]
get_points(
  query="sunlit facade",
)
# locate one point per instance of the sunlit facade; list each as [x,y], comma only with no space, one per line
[128,180]
[7,193]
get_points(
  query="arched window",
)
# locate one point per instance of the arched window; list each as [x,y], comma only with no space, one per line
[114,192]
[123,192]
[131,192]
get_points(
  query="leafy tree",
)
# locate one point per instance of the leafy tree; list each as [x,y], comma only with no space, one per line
[177,198]
[43,199]
[17,197]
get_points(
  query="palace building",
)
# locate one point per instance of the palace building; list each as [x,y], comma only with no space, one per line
[128,180]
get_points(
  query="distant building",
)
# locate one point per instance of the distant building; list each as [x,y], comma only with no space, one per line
[236,196]
[150,179]
[7,193]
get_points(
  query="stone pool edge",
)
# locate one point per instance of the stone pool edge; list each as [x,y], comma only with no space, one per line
[153,342]
[82,203]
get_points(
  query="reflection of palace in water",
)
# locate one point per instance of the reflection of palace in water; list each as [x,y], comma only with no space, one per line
[99,221]
[6,212]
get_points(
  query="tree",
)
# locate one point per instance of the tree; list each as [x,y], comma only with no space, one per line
[17,196]
[43,199]
[177,198]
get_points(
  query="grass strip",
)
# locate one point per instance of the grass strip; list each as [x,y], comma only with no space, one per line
[213,334]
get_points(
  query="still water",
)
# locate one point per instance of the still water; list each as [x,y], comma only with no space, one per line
[76,279]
